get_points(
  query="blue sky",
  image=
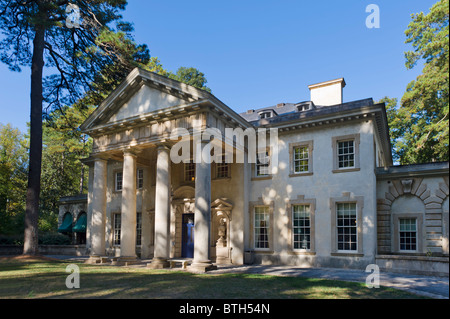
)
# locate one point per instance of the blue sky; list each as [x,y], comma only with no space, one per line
[260,53]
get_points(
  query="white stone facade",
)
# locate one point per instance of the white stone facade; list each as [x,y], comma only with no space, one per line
[331,199]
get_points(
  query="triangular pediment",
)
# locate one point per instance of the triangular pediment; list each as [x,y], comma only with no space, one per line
[146,100]
[144,96]
[221,204]
[141,93]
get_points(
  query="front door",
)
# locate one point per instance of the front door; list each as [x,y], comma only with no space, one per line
[187,237]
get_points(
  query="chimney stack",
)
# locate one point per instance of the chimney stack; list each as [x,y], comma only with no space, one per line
[328,92]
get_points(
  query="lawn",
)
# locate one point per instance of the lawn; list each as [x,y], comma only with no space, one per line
[23,278]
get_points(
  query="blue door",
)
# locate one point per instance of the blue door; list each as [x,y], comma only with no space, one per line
[187,237]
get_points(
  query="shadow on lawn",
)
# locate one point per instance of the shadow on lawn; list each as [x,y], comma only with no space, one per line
[45,279]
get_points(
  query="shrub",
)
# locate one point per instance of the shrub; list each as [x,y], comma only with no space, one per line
[54,239]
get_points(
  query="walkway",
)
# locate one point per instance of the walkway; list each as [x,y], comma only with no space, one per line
[434,287]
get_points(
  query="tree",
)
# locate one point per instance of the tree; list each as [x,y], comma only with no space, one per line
[191,76]
[76,49]
[13,164]
[424,110]
[63,173]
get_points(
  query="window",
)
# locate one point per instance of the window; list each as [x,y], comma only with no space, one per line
[347,229]
[140,178]
[408,234]
[301,226]
[117,226]
[189,172]
[138,229]
[222,168]
[346,154]
[261,227]
[118,181]
[301,159]
[262,164]
[265,115]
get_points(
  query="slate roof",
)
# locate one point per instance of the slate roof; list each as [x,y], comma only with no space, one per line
[289,111]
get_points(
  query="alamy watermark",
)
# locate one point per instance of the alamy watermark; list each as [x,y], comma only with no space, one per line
[73,19]
[373,279]
[373,19]
[211,145]
[73,280]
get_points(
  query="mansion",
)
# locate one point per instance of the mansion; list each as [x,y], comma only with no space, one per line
[322,192]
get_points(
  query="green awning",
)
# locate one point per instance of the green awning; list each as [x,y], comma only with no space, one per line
[66,226]
[80,226]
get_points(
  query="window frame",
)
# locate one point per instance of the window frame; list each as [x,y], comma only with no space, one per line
[356,152]
[139,179]
[420,240]
[256,234]
[347,198]
[116,181]
[116,231]
[138,229]
[259,164]
[301,201]
[310,147]
[347,227]
[186,170]
[222,164]
[252,206]
[400,235]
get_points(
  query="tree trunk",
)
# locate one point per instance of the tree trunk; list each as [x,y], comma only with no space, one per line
[34,174]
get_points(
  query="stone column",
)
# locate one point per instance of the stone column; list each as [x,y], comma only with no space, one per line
[128,212]
[202,213]
[162,209]
[98,207]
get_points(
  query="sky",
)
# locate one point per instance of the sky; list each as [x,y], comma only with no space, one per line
[256,54]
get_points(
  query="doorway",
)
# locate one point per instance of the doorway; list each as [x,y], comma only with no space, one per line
[187,236]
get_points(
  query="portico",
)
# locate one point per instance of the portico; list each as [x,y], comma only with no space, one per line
[135,188]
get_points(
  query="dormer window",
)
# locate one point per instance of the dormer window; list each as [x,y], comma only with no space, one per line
[305,106]
[266,114]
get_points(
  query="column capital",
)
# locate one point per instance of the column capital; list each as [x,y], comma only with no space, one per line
[131,152]
[100,157]
[163,144]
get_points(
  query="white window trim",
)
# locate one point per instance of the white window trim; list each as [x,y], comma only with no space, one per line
[399,236]
[347,198]
[356,145]
[292,146]
[116,189]
[252,206]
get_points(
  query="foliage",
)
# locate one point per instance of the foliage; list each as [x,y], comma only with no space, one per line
[192,77]
[422,118]
[39,33]
[13,165]
[63,173]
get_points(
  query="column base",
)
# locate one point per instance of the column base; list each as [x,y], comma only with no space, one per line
[158,263]
[97,260]
[124,261]
[201,267]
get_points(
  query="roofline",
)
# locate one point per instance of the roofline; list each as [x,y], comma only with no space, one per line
[137,74]
[330,115]
[413,170]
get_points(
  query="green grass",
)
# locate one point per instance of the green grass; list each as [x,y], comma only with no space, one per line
[46,279]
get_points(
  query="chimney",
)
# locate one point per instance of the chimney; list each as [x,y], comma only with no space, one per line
[327,93]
